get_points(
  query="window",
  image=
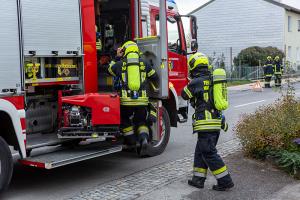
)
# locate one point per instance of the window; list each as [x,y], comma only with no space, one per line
[145,26]
[289,52]
[289,23]
[173,35]
[174,42]
[298,25]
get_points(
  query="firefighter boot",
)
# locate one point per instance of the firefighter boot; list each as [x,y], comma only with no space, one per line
[197,182]
[143,145]
[224,184]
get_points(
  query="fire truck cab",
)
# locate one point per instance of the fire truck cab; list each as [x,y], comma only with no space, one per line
[57,104]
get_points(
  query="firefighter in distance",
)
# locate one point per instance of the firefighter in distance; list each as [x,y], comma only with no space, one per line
[268,72]
[207,93]
[278,69]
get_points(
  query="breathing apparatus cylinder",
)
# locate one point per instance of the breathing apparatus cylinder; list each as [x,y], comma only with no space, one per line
[133,73]
[220,92]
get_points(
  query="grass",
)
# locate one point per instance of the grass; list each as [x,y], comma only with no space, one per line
[238,82]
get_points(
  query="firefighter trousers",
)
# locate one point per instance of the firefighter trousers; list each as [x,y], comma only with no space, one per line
[278,80]
[207,157]
[268,81]
[133,123]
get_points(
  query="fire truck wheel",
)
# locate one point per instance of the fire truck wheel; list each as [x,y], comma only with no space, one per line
[6,165]
[158,147]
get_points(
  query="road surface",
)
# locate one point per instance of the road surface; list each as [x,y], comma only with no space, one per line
[65,182]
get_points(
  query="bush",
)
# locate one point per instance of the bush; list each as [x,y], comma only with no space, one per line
[270,127]
[289,161]
[254,56]
[272,131]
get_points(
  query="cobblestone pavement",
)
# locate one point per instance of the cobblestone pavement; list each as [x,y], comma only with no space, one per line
[146,181]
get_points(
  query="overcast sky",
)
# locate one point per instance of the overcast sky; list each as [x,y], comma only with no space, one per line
[186,6]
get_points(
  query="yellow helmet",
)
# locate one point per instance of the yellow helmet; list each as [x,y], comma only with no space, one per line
[277,58]
[130,47]
[198,60]
[269,58]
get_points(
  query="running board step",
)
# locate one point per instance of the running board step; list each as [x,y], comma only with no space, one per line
[68,156]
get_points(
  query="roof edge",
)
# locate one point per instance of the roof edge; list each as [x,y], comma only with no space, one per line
[285,6]
[204,5]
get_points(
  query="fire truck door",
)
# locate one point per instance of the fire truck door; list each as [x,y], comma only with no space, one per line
[177,62]
[10,56]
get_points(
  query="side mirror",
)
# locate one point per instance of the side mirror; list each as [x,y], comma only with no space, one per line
[193,27]
[194,46]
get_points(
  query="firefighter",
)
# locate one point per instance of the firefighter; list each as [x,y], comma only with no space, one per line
[206,93]
[134,74]
[278,71]
[268,72]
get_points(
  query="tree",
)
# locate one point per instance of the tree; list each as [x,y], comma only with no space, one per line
[253,56]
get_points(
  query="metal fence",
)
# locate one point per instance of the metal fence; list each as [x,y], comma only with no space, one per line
[254,73]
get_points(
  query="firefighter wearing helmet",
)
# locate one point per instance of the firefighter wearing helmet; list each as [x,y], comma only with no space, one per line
[268,72]
[207,92]
[134,74]
[278,68]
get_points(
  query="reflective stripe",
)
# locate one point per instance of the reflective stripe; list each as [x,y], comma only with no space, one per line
[143,129]
[188,93]
[206,128]
[151,73]
[141,101]
[219,77]
[153,113]
[110,69]
[208,121]
[130,128]
[124,94]
[124,77]
[208,115]
[200,170]
[202,175]
[222,175]
[128,131]
[133,60]
[143,77]
[219,171]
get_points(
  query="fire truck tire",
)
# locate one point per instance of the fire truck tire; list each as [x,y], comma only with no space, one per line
[156,149]
[6,165]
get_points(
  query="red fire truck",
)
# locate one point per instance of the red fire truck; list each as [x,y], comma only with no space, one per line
[57,106]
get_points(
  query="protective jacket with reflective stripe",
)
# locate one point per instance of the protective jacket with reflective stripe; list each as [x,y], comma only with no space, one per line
[199,92]
[278,68]
[268,69]
[119,69]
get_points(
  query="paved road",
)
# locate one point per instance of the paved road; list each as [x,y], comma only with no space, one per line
[34,184]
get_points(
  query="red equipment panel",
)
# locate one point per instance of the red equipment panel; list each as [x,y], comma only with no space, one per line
[105,107]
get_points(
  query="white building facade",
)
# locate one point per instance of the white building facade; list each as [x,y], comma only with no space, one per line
[225,27]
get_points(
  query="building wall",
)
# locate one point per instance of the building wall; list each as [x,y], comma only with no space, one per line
[292,39]
[226,24]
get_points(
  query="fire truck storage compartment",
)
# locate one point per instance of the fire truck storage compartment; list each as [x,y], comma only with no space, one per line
[10,58]
[41,113]
[51,27]
[113,19]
